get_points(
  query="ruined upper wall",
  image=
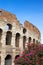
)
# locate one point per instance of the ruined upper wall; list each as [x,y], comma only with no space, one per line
[30,27]
[8,17]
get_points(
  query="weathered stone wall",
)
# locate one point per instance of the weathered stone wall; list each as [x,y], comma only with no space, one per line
[19,34]
[34,32]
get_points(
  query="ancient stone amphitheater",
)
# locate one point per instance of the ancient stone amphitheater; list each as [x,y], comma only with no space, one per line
[14,36]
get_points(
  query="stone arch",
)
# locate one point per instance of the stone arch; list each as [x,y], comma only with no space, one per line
[9,26]
[17,56]
[17,39]
[29,40]
[8,60]
[1,33]
[8,37]
[37,41]
[24,41]
[33,40]
[24,30]
[0,12]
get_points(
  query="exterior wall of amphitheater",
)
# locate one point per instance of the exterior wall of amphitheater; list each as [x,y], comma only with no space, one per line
[14,36]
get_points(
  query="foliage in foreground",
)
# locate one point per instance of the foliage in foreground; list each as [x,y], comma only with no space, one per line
[33,55]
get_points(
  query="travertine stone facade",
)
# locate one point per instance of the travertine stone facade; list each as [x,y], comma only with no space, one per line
[14,36]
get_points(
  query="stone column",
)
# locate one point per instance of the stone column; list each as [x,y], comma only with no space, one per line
[26,43]
[2,58]
[13,40]
[21,43]
[26,40]
[3,40]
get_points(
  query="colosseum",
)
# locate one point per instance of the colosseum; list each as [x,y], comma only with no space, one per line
[14,36]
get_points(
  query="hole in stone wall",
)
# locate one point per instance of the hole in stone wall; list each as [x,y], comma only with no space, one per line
[9,26]
[17,56]
[17,39]
[8,38]
[24,30]
[36,41]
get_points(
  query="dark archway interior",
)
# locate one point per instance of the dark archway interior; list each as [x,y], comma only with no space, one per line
[33,40]
[36,41]
[8,57]
[8,60]
[29,39]
[8,38]
[17,40]
[17,56]
[24,30]
[0,13]
[24,41]
[9,26]
[0,33]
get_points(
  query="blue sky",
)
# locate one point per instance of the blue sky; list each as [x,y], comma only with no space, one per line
[31,10]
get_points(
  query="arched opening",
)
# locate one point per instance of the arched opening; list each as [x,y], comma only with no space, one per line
[8,60]
[17,56]
[9,26]
[33,40]
[24,41]
[8,38]
[0,12]
[17,39]
[24,30]
[37,41]
[0,33]
[29,40]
